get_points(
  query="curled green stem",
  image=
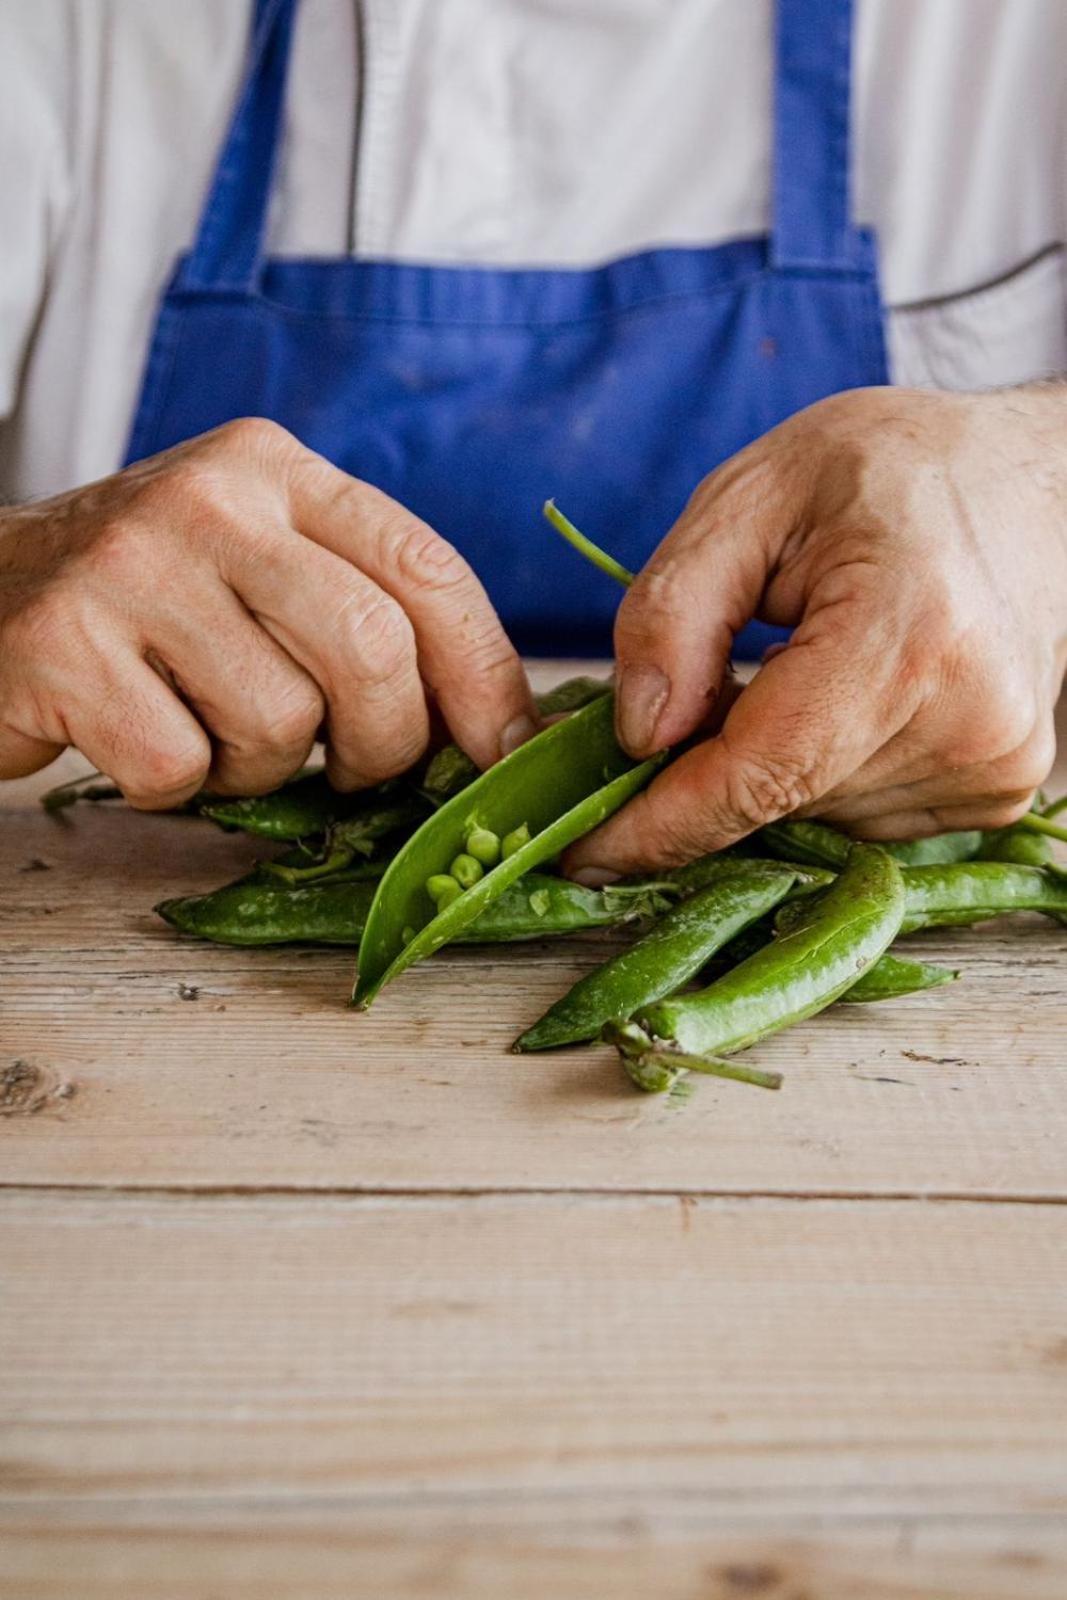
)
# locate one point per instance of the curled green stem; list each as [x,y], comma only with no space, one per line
[585,547]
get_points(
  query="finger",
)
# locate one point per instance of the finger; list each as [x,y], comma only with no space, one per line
[675,627]
[357,645]
[984,812]
[1009,778]
[21,754]
[132,727]
[807,718]
[464,655]
[261,708]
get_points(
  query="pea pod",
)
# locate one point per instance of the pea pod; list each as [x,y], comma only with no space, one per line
[253,911]
[452,770]
[818,844]
[807,879]
[380,817]
[799,974]
[671,953]
[890,978]
[973,891]
[571,695]
[813,843]
[561,783]
[1017,845]
[940,849]
[301,809]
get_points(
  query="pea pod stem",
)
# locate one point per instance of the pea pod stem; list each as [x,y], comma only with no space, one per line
[1038,823]
[585,547]
[656,1067]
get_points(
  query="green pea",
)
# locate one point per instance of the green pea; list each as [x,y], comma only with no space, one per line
[514,840]
[408,934]
[484,845]
[442,889]
[466,871]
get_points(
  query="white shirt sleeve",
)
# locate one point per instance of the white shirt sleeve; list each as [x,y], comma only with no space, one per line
[35,169]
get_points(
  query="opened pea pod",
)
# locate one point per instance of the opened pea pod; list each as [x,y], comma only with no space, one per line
[558,786]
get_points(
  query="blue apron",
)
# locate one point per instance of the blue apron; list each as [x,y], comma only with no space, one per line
[472,393]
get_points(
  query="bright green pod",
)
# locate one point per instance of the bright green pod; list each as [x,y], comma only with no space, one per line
[673,951]
[974,891]
[563,782]
[797,975]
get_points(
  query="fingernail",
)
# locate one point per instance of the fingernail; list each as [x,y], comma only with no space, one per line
[594,877]
[642,694]
[518,730]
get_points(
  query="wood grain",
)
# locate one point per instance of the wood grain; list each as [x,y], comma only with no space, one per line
[771,1354]
[631,1548]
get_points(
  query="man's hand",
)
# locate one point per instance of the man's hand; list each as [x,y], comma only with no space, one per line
[200,617]
[918,544]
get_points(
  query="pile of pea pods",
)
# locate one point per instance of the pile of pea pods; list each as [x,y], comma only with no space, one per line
[725,951]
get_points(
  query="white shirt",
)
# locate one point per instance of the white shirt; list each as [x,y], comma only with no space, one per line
[510,132]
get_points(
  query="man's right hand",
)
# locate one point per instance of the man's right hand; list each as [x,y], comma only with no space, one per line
[200,618]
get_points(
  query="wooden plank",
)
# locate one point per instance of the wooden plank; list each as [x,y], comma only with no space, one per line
[522,1549]
[129,1056]
[770,1357]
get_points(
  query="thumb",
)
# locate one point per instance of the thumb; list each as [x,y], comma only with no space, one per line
[676,625]
[809,718]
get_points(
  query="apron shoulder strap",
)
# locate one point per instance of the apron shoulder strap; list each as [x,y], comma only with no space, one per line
[811,226]
[227,252]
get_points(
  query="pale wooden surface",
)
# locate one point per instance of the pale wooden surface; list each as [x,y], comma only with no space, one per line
[297,1303]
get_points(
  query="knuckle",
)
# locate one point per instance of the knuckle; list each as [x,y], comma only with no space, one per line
[376,638]
[255,436]
[758,791]
[423,560]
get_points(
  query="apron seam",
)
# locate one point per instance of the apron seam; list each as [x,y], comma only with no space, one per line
[652,303]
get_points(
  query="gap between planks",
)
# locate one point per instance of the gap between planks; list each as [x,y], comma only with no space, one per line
[518,1191]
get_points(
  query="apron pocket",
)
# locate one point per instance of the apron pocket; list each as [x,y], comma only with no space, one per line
[1010,332]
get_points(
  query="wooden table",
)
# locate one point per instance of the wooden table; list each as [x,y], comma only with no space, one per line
[297,1304]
